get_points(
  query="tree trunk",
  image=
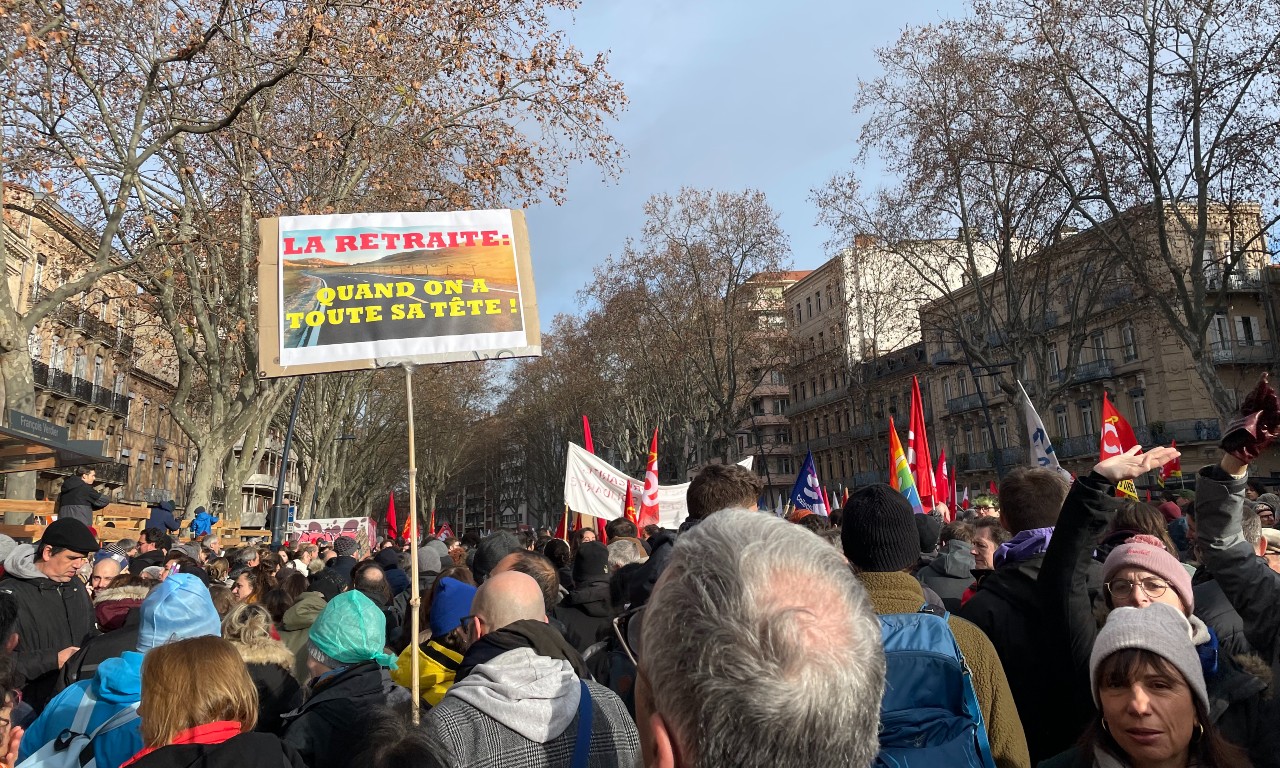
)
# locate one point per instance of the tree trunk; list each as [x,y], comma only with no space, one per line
[19,395]
[205,478]
[1222,398]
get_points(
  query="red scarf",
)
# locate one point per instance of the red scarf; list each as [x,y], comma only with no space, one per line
[210,733]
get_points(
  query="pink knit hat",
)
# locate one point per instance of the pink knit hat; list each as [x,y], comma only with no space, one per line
[1148,553]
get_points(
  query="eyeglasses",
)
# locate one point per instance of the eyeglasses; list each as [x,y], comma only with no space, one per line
[984,508]
[1122,588]
[626,627]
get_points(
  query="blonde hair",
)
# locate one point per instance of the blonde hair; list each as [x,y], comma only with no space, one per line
[194,682]
[247,623]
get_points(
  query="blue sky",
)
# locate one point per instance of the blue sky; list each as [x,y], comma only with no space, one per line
[724,94]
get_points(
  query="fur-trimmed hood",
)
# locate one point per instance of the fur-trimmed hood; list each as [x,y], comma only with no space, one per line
[266,652]
[121,593]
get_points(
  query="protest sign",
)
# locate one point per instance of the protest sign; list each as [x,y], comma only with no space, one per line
[353,291]
[592,486]
[326,530]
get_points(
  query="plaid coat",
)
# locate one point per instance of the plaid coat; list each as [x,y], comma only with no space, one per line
[475,740]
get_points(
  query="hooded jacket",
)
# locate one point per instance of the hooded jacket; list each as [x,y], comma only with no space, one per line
[271,668]
[117,685]
[521,708]
[162,517]
[586,613]
[437,667]
[330,726]
[202,523]
[117,611]
[950,573]
[297,627]
[51,616]
[901,593]
[78,499]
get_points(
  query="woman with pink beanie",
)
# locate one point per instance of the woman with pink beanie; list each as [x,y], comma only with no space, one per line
[1137,574]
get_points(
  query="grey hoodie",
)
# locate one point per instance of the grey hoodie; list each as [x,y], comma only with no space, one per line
[535,696]
[21,562]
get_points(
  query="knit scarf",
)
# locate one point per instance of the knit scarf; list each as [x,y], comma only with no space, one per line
[1023,546]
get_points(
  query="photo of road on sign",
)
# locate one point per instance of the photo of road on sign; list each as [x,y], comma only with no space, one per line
[401,285]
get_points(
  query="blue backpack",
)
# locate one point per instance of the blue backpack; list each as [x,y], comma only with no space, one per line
[929,716]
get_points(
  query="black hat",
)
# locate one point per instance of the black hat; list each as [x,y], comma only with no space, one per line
[879,531]
[930,530]
[591,563]
[69,533]
[329,583]
[388,559]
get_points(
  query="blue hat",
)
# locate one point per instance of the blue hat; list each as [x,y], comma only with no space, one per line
[179,608]
[450,606]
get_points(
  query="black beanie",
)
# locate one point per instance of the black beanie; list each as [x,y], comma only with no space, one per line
[591,563]
[930,530]
[879,530]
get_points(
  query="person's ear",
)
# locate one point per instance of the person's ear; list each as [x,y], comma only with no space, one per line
[664,753]
[11,643]
[1260,548]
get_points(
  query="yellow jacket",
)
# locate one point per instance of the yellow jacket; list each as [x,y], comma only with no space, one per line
[436,668]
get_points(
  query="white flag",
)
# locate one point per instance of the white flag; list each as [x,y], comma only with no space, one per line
[1042,454]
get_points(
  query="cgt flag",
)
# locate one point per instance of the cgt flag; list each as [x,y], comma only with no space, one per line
[942,485]
[1117,437]
[900,472]
[1172,470]
[807,492]
[649,496]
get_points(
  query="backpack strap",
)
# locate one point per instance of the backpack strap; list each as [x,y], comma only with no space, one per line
[79,723]
[582,747]
[121,718]
[971,705]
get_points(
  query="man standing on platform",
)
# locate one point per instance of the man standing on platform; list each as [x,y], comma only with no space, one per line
[78,498]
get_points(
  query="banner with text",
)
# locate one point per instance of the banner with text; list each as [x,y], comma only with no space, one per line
[357,290]
[593,486]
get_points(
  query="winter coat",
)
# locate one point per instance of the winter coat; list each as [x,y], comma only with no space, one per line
[950,573]
[1024,607]
[1214,609]
[1248,582]
[271,669]
[117,612]
[162,517]
[586,613]
[521,708]
[330,725]
[51,616]
[78,499]
[202,523]
[437,666]
[247,750]
[117,685]
[146,560]
[901,593]
[662,541]
[296,629]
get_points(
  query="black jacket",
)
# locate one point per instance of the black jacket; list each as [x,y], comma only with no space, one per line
[950,573]
[1214,609]
[248,750]
[51,616]
[163,519]
[278,693]
[1009,607]
[146,559]
[661,543]
[330,726]
[78,499]
[586,613]
[97,649]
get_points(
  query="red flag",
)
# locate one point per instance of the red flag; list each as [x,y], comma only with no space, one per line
[601,535]
[918,450]
[586,435]
[845,500]
[826,501]
[649,498]
[562,528]
[629,505]
[392,531]
[431,527]
[446,532]
[1117,437]
[942,480]
[1148,495]
[1173,469]
[993,488]
[964,503]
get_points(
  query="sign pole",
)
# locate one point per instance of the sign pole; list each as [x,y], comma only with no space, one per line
[415,597]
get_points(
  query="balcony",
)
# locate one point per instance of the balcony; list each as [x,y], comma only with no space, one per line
[1092,371]
[871,428]
[60,382]
[973,462]
[1244,352]
[817,401]
[1081,445]
[124,342]
[943,357]
[828,441]
[112,473]
[101,397]
[119,404]
[870,477]
[1183,430]
[966,403]
[1240,280]
[96,328]
[81,390]
[40,372]
[1046,322]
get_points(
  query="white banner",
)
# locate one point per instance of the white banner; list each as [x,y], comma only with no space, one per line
[592,486]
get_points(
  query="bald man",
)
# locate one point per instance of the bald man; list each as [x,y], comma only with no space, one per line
[519,692]
[104,571]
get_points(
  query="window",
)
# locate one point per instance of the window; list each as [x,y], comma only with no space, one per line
[968,441]
[783,436]
[97,371]
[822,342]
[78,370]
[799,315]
[818,298]
[1003,430]
[119,385]
[1220,332]
[780,406]
[1063,429]
[742,444]
[808,307]
[946,388]
[802,394]
[37,279]
[757,407]
[826,424]
[1140,410]
[1055,367]
[961,385]
[1130,341]
[1086,419]
[33,343]
[1247,331]
[1099,347]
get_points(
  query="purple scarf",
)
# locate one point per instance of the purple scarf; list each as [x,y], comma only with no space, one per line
[1024,546]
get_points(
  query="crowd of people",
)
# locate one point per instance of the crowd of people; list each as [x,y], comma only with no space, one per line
[1055,624]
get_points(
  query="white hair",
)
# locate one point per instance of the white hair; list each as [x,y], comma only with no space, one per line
[625,552]
[765,648]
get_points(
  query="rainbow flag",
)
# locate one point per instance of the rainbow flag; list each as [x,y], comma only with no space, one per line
[900,472]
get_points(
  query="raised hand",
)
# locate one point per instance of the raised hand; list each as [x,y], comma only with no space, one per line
[1133,463]
[1259,423]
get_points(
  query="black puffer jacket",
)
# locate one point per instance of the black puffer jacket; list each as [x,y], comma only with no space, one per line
[51,616]
[950,573]
[330,726]
[270,666]
[248,750]
[1214,609]
[642,586]
[586,613]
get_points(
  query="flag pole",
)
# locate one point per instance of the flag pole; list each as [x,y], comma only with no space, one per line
[415,596]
